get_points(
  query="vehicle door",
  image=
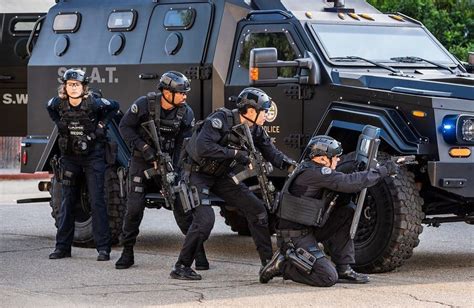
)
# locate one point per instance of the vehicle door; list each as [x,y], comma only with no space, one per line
[177,39]
[14,32]
[284,120]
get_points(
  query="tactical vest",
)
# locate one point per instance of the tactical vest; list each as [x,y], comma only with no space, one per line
[229,139]
[81,123]
[300,209]
[167,129]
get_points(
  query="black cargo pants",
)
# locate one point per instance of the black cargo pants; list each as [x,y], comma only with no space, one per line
[93,167]
[335,236]
[139,186]
[235,195]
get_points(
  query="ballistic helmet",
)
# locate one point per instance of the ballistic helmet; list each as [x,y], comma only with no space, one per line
[324,146]
[75,74]
[255,98]
[174,82]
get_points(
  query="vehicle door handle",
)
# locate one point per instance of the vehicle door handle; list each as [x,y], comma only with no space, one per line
[148,76]
[6,77]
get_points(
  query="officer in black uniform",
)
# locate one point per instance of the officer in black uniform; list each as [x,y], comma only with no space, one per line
[300,258]
[213,152]
[81,118]
[174,121]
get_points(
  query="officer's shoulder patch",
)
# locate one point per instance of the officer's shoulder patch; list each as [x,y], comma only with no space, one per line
[105,101]
[326,170]
[134,108]
[50,102]
[216,123]
[193,122]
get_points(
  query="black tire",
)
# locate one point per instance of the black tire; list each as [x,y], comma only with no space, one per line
[390,223]
[83,236]
[237,222]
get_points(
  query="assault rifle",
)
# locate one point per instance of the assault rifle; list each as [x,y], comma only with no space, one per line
[258,167]
[164,169]
[366,155]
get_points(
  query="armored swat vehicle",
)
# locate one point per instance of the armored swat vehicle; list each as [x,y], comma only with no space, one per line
[331,67]
[17,20]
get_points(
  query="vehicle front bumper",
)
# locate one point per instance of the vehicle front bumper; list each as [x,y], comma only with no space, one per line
[457,178]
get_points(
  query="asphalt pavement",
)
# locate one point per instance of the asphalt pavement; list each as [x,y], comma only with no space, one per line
[440,273]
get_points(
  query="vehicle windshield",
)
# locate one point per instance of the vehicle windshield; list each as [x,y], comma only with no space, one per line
[379,43]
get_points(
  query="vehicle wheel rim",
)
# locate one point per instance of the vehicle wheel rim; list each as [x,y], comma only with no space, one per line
[367,222]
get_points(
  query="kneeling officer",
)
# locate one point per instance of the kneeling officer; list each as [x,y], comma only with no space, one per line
[316,180]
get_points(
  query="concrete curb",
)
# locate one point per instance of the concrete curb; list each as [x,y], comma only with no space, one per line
[25,176]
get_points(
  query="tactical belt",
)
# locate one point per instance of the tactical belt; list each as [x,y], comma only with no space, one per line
[287,234]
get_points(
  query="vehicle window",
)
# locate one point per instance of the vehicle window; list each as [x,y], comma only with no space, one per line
[67,22]
[279,40]
[388,42]
[181,19]
[22,26]
[122,20]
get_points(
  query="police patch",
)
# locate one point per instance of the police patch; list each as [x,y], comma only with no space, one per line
[216,123]
[326,170]
[105,101]
[134,108]
[50,102]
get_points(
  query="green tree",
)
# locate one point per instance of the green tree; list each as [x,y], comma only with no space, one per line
[450,21]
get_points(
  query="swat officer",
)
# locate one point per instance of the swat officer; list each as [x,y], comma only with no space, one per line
[316,181]
[81,119]
[214,150]
[174,120]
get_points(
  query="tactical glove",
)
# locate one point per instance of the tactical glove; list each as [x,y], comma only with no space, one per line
[242,157]
[392,167]
[289,164]
[148,154]
[100,130]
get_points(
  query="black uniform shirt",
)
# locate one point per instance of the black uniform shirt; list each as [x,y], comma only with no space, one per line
[130,125]
[315,178]
[216,126]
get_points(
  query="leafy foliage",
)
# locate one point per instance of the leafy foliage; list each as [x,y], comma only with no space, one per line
[450,21]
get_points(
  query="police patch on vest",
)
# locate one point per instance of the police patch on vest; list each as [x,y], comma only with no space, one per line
[216,123]
[326,170]
[134,108]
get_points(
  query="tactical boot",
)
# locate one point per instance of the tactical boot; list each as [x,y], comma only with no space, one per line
[103,255]
[200,262]
[272,268]
[348,275]
[126,259]
[184,273]
[60,254]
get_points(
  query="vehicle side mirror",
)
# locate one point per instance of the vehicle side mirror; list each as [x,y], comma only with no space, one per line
[469,66]
[264,64]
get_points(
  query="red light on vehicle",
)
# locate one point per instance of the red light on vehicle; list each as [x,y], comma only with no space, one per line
[24,157]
